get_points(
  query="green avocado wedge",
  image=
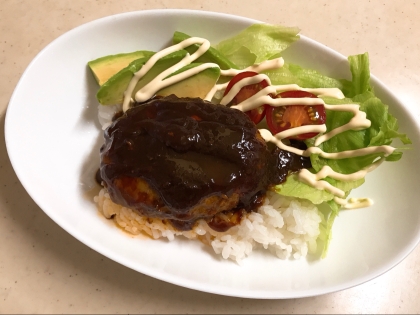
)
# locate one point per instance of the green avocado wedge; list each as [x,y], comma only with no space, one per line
[105,67]
[211,55]
[198,85]
[112,91]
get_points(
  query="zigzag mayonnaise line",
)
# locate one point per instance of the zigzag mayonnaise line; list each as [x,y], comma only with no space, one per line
[358,122]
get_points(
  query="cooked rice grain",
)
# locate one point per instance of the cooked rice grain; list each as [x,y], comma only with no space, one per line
[106,113]
[286,227]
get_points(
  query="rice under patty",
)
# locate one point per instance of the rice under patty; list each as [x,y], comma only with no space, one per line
[287,227]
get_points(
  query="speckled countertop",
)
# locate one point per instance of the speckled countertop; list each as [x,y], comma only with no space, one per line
[45,270]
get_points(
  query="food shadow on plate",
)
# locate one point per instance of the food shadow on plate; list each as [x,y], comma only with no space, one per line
[89,186]
[90,105]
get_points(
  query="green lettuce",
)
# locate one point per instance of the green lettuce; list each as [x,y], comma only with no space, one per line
[308,78]
[383,130]
[263,42]
[360,83]
[295,188]
[257,43]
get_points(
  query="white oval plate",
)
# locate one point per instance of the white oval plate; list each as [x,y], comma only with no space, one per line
[53,141]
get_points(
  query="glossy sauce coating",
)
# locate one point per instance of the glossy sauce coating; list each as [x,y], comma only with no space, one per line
[185,159]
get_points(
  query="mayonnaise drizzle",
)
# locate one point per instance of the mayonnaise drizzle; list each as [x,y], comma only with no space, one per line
[158,83]
[259,97]
[354,203]
[277,140]
[316,181]
[260,67]
[331,92]
[215,89]
[358,121]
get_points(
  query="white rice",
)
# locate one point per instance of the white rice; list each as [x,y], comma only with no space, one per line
[286,227]
[105,114]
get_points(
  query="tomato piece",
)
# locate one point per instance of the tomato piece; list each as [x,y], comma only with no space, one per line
[285,117]
[256,114]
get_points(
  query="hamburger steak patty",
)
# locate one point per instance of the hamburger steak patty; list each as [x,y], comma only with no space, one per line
[183,159]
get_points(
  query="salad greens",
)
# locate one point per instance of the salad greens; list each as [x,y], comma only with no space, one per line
[271,41]
[257,43]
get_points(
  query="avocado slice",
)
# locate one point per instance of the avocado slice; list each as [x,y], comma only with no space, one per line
[198,85]
[112,91]
[211,55]
[105,67]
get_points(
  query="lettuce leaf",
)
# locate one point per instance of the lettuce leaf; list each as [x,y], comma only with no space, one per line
[308,78]
[383,130]
[360,83]
[263,42]
[257,43]
[330,211]
[295,188]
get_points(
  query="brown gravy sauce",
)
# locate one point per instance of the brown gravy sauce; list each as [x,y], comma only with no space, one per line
[187,150]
